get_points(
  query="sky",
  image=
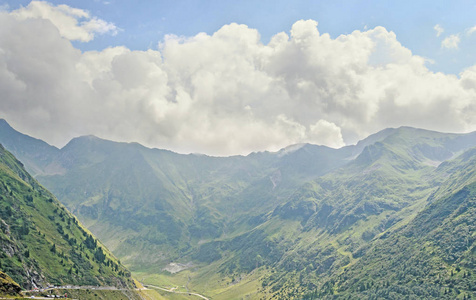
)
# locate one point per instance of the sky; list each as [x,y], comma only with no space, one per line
[233,77]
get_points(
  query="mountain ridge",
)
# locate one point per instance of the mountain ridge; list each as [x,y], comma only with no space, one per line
[5,126]
[307,210]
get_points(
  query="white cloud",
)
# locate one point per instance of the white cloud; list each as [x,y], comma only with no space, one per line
[225,93]
[451,42]
[99,26]
[327,133]
[471,30]
[439,30]
[72,23]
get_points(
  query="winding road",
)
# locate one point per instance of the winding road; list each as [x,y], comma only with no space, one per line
[111,288]
[173,291]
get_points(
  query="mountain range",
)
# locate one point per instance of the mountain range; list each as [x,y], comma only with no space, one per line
[390,217]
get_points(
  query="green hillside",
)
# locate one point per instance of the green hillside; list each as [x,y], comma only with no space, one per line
[267,225]
[165,203]
[42,243]
[433,257]
[326,226]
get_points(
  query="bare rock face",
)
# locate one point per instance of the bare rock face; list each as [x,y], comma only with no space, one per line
[5,227]
[6,245]
[35,279]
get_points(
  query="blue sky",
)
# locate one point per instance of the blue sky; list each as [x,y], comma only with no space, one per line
[144,23]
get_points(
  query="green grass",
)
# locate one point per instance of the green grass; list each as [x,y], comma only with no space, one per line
[318,219]
[44,236]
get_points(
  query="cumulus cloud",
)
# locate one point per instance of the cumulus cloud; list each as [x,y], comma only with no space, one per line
[225,93]
[439,30]
[72,23]
[327,133]
[451,42]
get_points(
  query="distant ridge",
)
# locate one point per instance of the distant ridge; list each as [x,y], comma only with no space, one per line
[34,153]
[283,224]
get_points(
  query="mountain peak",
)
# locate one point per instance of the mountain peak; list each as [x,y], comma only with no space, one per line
[290,149]
[88,137]
[84,139]
[4,124]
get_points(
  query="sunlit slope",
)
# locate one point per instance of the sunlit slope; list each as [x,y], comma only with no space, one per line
[8,287]
[432,257]
[267,224]
[41,242]
[325,225]
[164,203]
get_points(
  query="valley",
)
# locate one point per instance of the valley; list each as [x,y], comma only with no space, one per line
[392,216]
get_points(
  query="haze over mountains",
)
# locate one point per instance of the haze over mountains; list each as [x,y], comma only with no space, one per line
[392,216]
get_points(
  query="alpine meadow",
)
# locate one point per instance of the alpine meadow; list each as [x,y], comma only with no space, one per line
[156,150]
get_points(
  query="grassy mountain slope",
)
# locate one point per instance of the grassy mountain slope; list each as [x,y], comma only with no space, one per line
[325,226]
[433,257]
[165,203]
[41,242]
[263,225]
